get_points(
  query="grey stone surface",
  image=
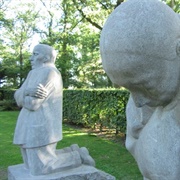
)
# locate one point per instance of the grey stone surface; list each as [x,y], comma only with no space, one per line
[40,96]
[140,49]
[84,172]
[39,124]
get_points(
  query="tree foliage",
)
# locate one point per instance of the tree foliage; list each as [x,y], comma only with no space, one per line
[72,27]
[174,4]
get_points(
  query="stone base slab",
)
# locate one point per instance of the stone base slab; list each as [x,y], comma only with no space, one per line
[18,172]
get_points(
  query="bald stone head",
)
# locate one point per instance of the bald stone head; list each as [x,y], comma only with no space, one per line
[42,54]
[140,49]
[48,51]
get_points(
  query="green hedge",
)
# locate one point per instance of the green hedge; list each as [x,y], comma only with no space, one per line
[7,101]
[101,108]
[6,94]
[90,108]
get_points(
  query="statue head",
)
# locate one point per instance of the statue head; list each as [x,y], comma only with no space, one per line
[42,54]
[140,49]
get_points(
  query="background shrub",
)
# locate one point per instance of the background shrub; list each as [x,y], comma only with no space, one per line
[7,101]
[95,108]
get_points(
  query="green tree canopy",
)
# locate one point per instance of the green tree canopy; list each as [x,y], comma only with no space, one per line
[72,27]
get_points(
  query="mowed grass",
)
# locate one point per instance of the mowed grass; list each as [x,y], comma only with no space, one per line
[109,156]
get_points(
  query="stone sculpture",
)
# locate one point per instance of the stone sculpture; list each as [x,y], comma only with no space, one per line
[39,127]
[140,49]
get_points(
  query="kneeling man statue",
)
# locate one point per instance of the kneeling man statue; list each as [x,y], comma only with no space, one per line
[39,125]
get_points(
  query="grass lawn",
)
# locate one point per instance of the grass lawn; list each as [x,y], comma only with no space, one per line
[109,156]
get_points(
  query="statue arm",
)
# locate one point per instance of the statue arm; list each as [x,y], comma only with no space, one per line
[137,117]
[32,103]
[35,97]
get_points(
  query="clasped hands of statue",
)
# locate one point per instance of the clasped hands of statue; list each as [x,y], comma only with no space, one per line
[39,92]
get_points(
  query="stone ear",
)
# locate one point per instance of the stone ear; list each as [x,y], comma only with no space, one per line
[47,58]
[178,47]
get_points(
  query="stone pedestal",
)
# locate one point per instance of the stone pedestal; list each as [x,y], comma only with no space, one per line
[18,172]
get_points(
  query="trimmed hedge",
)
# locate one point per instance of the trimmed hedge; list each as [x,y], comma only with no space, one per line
[96,108]
[90,108]
[7,101]
[7,94]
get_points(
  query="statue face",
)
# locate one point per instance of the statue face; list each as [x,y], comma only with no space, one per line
[152,80]
[161,82]
[139,50]
[38,57]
